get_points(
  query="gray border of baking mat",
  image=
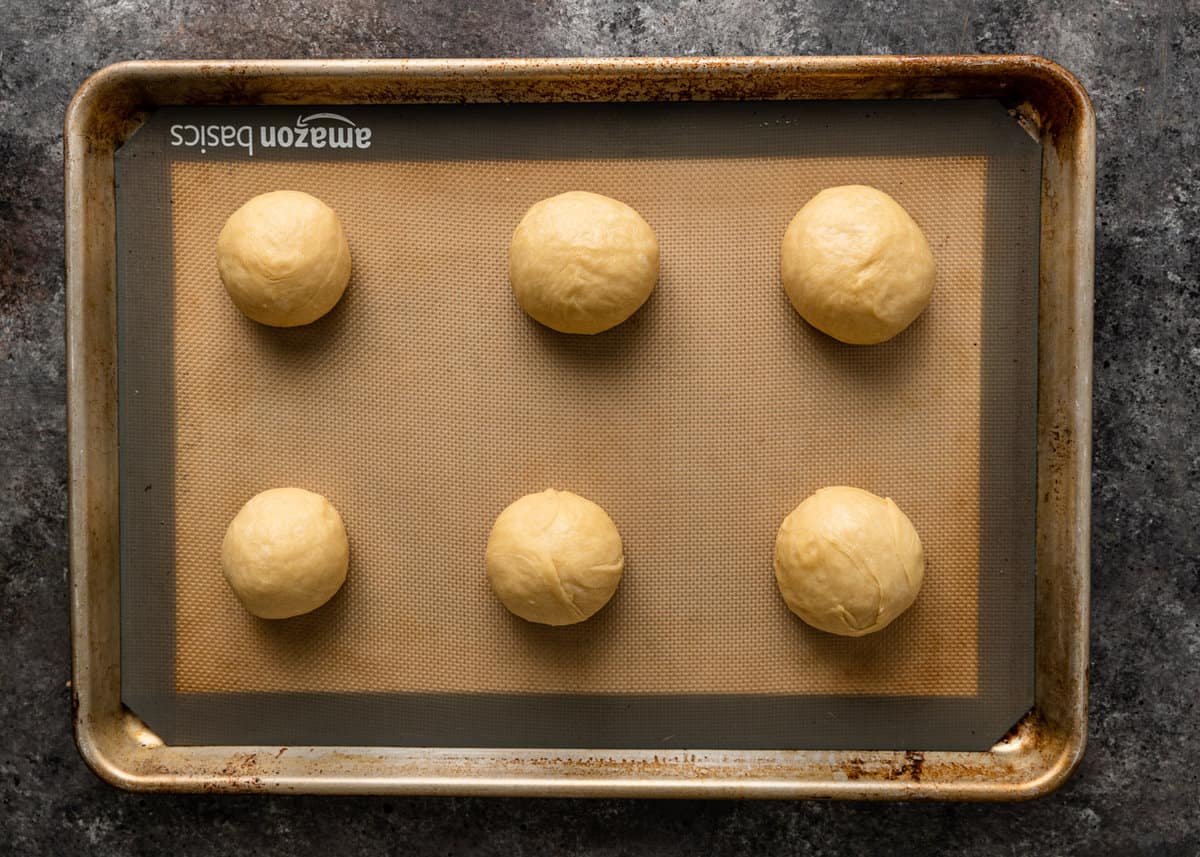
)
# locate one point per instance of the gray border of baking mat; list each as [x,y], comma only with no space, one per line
[601,721]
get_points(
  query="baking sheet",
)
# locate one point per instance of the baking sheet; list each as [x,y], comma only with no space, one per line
[426,402]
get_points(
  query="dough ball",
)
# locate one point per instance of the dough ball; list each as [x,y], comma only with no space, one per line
[554,557]
[848,562]
[285,553]
[582,263]
[283,258]
[856,265]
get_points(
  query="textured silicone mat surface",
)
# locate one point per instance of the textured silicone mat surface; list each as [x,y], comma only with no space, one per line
[426,401]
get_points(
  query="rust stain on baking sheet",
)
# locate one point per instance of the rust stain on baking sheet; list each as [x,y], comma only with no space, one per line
[912,766]
[241,769]
[909,767]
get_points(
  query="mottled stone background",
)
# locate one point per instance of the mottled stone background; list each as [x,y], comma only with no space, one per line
[1138,790]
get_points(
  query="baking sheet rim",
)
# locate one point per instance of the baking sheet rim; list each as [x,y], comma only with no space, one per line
[1039,754]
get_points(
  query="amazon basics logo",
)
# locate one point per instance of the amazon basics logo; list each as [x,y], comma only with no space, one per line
[315,131]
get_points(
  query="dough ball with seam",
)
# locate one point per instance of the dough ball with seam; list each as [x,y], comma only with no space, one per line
[554,557]
[580,262]
[847,561]
[285,553]
[856,266]
[283,258]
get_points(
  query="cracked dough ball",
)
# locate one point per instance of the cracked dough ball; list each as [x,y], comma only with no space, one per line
[848,562]
[856,266]
[283,258]
[285,553]
[582,263]
[554,557]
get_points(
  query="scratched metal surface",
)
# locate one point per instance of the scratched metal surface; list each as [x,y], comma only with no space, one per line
[1032,759]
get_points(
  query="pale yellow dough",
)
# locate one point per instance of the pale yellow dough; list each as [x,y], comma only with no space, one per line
[285,553]
[582,263]
[856,266]
[554,557]
[283,258]
[848,562]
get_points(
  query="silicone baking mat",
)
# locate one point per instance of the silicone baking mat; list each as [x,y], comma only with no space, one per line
[426,401]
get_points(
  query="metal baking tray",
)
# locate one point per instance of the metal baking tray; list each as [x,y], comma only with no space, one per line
[1032,759]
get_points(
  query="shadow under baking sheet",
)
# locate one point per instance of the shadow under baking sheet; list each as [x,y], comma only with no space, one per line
[426,402]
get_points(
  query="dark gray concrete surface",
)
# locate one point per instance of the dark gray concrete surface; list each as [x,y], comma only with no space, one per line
[1138,789]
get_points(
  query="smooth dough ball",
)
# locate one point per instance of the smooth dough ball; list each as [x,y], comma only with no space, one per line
[285,553]
[283,258]
[554,557]
[848,562]
[582,263]
[856,266]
